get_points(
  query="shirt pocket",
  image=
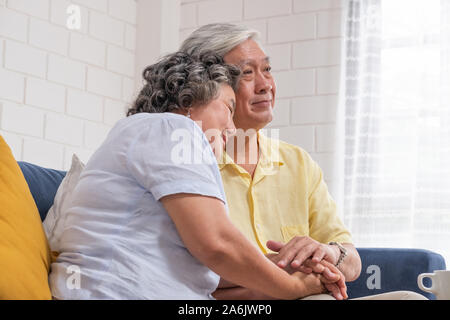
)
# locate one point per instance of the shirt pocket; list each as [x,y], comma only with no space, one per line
[290,232]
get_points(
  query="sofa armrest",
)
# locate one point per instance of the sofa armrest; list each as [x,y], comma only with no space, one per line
[388,269]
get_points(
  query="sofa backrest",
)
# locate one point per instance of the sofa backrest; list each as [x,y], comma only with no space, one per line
[43,184]
[393,269]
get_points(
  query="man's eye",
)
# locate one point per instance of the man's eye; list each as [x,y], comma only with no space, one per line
[268,69]
[247,72]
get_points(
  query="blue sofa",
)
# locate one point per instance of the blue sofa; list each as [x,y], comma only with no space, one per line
[383,270]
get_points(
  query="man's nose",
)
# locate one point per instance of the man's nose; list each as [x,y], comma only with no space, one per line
[267,88]
[263,85]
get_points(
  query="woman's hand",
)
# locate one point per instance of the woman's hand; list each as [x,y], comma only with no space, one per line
[335,285]
[313,283]
[329,282]
[310,283]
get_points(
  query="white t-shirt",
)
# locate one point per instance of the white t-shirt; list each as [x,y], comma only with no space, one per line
[117,233]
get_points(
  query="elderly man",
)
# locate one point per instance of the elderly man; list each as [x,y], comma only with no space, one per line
[276,193]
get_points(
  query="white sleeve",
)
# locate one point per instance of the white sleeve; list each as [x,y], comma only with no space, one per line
[173,156]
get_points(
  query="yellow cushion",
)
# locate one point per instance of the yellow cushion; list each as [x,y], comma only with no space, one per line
[24,250]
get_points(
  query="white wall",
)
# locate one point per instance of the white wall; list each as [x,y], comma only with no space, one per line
[61,90]
[302,37]
[158,24]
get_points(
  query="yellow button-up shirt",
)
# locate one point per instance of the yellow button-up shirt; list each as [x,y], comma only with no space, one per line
[286,197]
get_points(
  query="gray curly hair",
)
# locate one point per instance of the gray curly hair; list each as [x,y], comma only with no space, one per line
[179,81]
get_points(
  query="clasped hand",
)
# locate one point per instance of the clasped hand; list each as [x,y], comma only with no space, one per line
[311,257]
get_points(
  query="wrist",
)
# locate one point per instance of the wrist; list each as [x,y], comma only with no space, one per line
[342,252]
[299,289]
[336,254]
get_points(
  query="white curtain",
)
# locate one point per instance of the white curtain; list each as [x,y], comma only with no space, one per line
[395,123]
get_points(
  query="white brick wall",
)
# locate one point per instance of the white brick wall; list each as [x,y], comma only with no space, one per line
[12,85]
[85,105]
[16,118]
[25,59]
[13,25]
[87,50]
[254,9]
[44,94]
[219,11]
[36,8]
[43,152]
[58,14]
[62,90]
[303,39]
[48,36]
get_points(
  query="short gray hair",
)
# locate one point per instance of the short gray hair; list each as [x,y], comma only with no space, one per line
[219,38]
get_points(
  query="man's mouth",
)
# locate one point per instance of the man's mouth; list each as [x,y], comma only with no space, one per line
[262,103]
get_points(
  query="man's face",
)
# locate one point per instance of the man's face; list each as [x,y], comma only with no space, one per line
[255,97]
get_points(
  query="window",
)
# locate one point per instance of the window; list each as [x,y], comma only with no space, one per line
[397,167]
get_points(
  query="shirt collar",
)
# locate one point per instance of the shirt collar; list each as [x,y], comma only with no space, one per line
[270,156]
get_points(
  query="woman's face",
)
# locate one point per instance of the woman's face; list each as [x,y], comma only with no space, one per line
[255,96]
[216,118]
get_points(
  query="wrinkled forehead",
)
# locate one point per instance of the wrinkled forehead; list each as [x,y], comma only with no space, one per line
[245,51]
[253,62]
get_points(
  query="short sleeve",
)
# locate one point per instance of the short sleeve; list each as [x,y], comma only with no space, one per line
[324,222]
[172,155]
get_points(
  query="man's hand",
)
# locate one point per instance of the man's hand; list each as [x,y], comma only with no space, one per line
[300,248]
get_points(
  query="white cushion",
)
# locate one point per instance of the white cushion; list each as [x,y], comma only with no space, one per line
[56,217]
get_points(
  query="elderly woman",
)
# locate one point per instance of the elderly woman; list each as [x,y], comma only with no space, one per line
[276,192]
[147,222]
